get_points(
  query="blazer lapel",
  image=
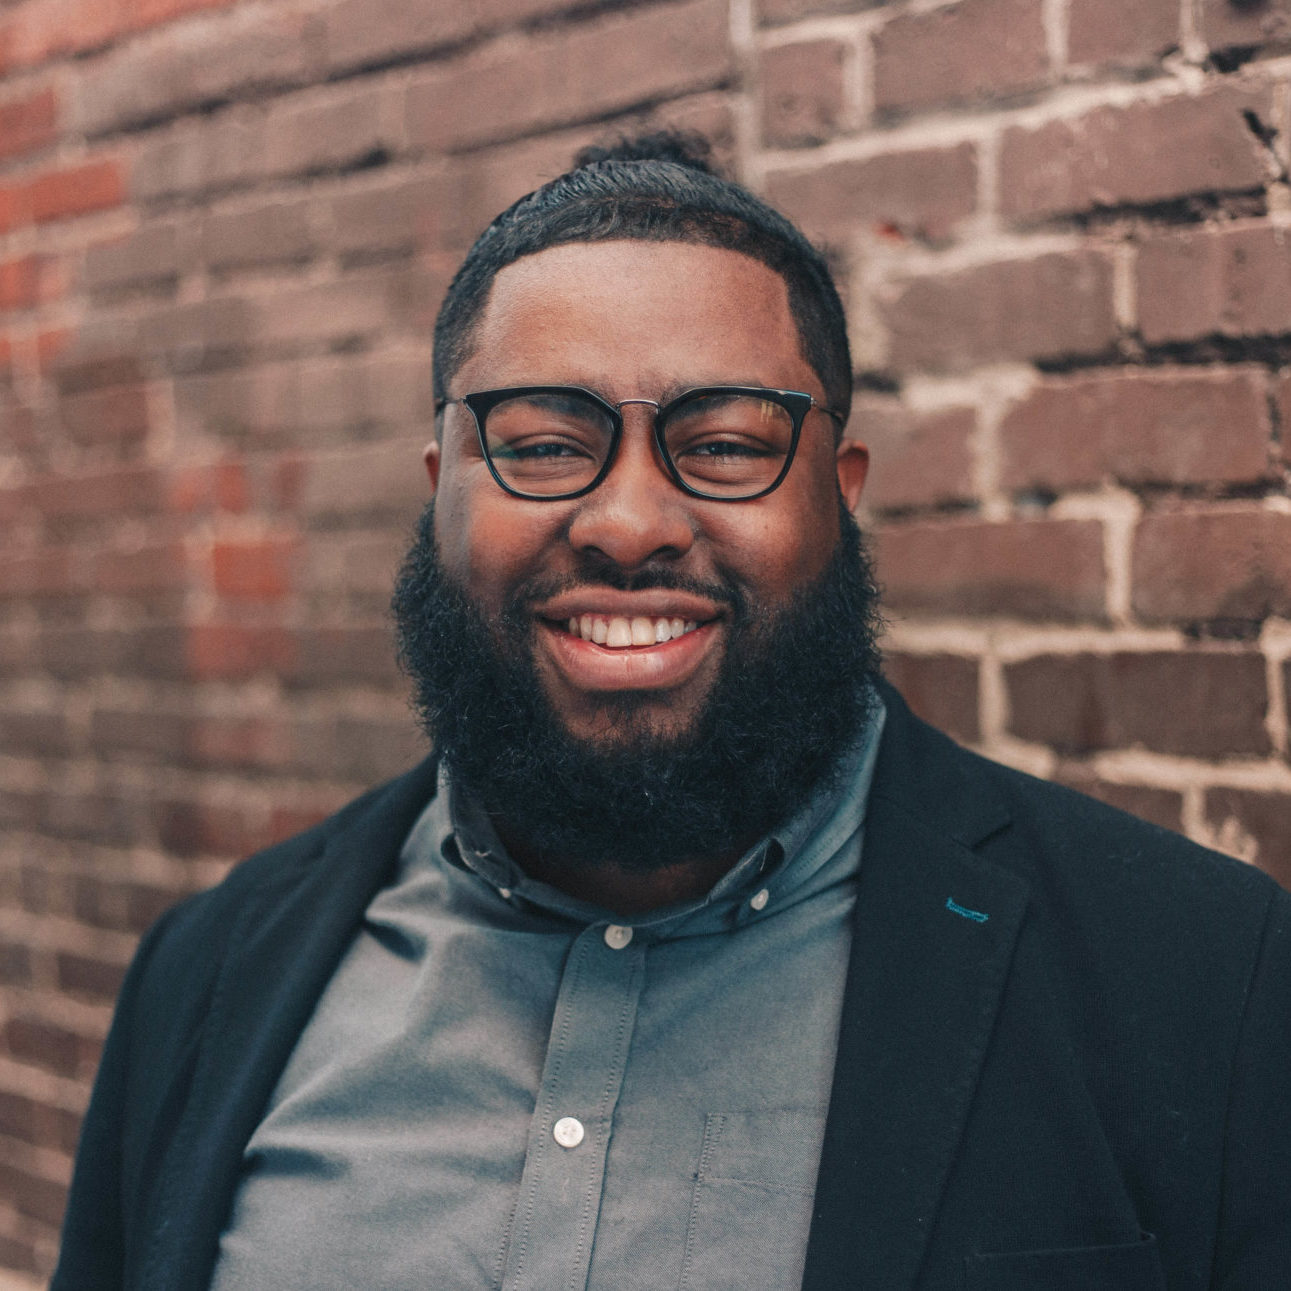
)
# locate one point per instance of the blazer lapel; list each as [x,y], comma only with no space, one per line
[287,943]
[934,934]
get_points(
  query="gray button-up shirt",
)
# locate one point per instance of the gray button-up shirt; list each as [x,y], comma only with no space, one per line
[504,1087]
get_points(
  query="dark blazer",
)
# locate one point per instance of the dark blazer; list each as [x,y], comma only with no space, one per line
[1065,1059]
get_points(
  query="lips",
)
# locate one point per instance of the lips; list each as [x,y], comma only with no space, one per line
[618,632]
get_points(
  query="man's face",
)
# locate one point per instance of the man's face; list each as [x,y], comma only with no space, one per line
[629,320]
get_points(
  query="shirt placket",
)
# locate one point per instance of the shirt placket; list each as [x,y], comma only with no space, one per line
[554,1226]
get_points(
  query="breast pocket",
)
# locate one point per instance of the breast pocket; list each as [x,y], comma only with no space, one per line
[1135,1266]
[751,1205]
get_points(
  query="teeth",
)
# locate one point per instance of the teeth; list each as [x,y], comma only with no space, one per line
[618,631]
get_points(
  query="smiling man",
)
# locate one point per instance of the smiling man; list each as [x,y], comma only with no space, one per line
[690,958]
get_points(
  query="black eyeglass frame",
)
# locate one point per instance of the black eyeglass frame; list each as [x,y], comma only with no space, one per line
[796,403]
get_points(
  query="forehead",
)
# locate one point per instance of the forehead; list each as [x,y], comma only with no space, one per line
[635,316]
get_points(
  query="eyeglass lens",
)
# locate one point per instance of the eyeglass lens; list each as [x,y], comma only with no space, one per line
[723,445]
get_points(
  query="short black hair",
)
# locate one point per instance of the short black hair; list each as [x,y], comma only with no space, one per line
[655,187]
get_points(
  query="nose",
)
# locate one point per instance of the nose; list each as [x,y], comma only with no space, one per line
[636,514]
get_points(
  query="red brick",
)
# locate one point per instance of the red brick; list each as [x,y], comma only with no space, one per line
[229,651]
[147,13]
[1265,818]
[802,93]
[32,1121]
[329,655]
[23,1255]
[352,126]
[973,50]
[921,194]
[33,731]
[261,235]
[89,975]
[76,190]
[15,207]
[359,32]
[1110,31]
[380,480]
[1212,563]
[151,733]
[41,573]
[1225,23]
[102,494]
[1231,281]
[940,688]
[1046,307]
[397,216]
[28,123]
[576,73]
[1139,426]
[45,1045]
[188,828]
[113,415]
[32,1195]
[1162,807]
[20,283]
[251,743]
[779,11]
[1081,703]
[162,568]
[916,459]
[1282,394]
[1030,569]
[1135,155]
[253,570]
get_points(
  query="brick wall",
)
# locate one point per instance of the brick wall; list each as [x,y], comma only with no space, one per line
[1063,228]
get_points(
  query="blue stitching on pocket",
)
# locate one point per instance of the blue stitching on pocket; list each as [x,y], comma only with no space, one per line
[975,915]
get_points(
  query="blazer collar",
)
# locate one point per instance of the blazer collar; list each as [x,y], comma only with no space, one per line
[934,932]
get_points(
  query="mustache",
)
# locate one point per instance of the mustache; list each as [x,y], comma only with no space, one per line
[613,578]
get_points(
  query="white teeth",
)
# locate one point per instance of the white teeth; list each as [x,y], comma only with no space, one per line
[618,631]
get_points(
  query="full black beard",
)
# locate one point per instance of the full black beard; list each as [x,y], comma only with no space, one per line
[789,699]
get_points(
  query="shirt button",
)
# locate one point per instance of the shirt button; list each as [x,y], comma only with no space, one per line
[616,936]
[504,893]
[759,899]
[568,1132]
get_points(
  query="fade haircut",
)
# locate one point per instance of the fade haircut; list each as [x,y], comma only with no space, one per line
[657,187]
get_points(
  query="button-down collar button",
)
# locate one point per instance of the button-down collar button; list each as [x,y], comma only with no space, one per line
[759,899]
[568,1131]
[616,936]
[504,893]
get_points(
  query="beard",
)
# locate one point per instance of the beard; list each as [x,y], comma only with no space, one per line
[788,700]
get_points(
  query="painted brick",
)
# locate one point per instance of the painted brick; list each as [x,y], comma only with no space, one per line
[1230,281]
[1159,701]
[1221,562]
[780,11]
[279,233]
[254,569]
[359,32]
[1029,569]
[1108,31]
[923,193]
[348,127]
[1226,23]
[148,259]
[973,50]
[1162,807]
[573,74]
[29,123]
[76,190]
[1265,818]
[916,459]
[802,92]
[1051,305]
[1142,426]
[940,688]
[1135,155]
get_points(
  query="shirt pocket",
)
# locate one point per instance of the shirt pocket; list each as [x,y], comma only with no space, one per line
[1136,1266]
[751,1204]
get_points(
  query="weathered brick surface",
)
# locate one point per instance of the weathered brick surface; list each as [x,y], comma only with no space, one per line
[1106,31]
[224,228]
[975,49]
[1041,308]
[1205,563]
[1135,155]
[1032,569]
[921,194]
[1140,426]
[803,96]
[1083,703]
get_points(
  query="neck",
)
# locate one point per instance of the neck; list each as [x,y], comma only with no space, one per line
[626,892]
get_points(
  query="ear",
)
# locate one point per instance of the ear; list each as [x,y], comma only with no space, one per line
[853,463]
[431,458]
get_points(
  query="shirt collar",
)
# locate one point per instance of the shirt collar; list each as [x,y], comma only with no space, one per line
[808,852]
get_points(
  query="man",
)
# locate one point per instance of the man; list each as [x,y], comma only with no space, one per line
[692,959]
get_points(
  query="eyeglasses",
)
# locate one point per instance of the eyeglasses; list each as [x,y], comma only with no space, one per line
[726,443]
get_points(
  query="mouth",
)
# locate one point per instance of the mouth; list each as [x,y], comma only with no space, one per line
[619,632]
